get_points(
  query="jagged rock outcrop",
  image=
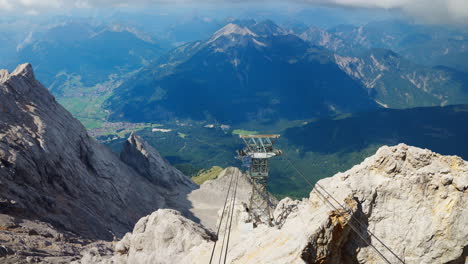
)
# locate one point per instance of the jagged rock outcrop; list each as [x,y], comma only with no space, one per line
[412,199]
[52,170]
[172,184]
[148,162]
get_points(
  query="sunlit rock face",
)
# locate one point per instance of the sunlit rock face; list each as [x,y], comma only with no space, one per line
[412,199]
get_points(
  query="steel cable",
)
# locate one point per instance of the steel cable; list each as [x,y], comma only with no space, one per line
[348,211]
[232,216]
[221,220]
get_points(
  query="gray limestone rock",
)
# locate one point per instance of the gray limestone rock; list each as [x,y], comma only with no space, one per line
[401,195]
[26,241]
[52,170]
[161,237]
[148,162]
[209,198]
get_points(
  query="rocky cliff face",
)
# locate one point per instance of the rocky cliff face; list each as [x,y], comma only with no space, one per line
[51,170]
[412,199]
[398,83]
[161,238]
[148,162]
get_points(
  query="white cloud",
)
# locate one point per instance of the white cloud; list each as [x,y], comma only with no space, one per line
[436,11]
[6,5]
[57,4]
[32,12]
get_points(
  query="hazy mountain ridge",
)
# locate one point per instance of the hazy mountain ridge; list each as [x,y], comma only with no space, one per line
[396,82]
[429,45]
[90,52]
[238,68]
[258,60]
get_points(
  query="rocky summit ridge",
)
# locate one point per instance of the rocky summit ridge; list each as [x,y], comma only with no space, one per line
[412,199]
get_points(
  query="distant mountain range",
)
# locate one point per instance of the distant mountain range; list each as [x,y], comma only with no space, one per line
[337,81]
[252,70]
[396,82]
[86,53]
[422,44]
[245,71]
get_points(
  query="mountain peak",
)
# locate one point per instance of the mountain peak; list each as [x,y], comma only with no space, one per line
[25,70]
[231,29]
[267,28]
[4,74]
[147,161]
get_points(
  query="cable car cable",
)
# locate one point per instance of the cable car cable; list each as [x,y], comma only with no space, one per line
[221,220]
[347,210]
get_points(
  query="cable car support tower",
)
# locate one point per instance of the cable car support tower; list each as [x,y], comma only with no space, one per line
[259,148]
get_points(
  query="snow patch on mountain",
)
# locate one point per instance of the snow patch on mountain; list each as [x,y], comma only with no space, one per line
[231,29]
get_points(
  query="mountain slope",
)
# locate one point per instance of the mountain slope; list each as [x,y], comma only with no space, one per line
[320,148]
[438,128]
[429,45]
[240,75]
[332,41]
[81,63]
[89,53]
[398,83]
[52,170]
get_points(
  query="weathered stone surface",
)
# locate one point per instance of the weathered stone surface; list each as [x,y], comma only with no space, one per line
[167,180]
[209,198]
[52,170]
[148,162]
[143,245]
[401,194]
[161,238]
[408,202]
[30,241]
